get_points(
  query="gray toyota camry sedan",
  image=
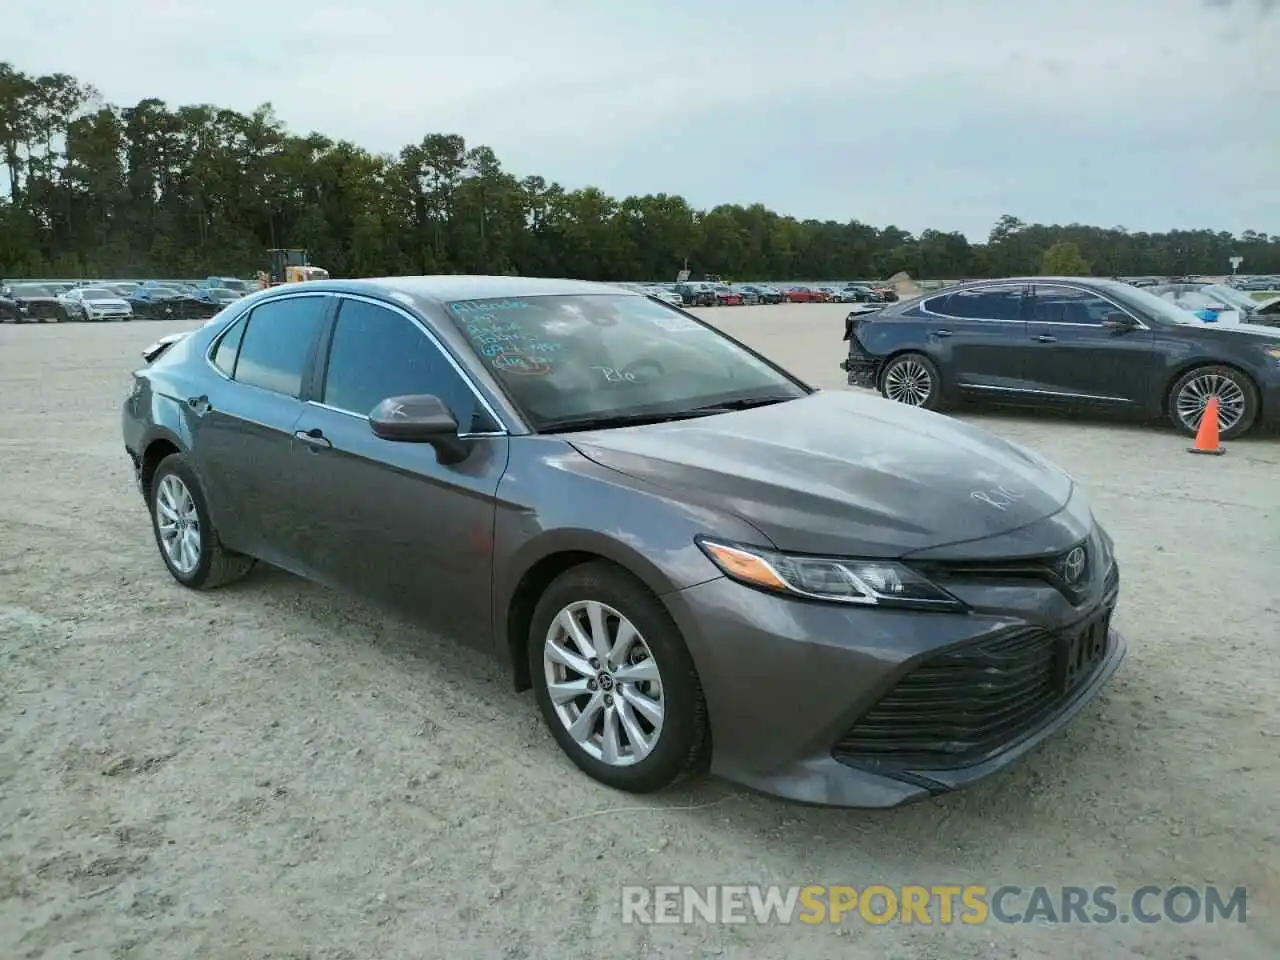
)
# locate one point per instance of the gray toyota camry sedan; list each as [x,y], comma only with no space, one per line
[695,560]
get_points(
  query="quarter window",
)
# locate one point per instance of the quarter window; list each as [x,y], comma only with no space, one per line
[378,353]
[224,357]
[1068,305]
[276,344]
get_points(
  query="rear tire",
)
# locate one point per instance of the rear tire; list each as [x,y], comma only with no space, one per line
[184,532]
[639,724]
[912,379]
[1237,399]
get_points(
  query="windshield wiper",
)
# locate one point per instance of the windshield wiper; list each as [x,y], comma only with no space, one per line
[608,421]
[747,403]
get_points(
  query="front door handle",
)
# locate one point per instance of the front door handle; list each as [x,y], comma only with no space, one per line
[199,404]
[941,333]
[1045,338]
[313,438]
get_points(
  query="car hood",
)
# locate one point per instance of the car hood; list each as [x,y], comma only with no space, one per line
[42,298]
[842,473]
[1217,331]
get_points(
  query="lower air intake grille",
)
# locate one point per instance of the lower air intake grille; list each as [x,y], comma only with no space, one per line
[960,707]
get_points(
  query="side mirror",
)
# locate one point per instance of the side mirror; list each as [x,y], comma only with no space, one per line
[1119,321]
[420,418]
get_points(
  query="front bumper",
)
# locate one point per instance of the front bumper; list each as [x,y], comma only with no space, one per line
[1271,401]
[789,684]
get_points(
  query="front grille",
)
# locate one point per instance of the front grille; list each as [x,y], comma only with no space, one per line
[1049,570]
[965,705]
[42,309]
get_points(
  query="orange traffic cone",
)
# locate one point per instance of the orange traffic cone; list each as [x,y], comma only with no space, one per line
[1207,434]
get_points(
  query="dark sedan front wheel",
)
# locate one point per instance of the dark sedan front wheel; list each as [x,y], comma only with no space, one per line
[615,682]
[184,532]
[913,379]
[1237,400]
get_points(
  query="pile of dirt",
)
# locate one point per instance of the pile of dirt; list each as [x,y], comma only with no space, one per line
[904,286]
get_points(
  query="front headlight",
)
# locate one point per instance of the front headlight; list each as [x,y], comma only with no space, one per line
[837,580]
[1272,352]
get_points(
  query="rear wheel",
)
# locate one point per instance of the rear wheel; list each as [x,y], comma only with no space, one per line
[1237,400]
[184,532]
[913,379]
[614,681]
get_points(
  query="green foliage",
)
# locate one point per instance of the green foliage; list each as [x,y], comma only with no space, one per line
[87,188]
[1063,259]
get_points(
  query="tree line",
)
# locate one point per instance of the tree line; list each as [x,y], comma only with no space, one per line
[95,189]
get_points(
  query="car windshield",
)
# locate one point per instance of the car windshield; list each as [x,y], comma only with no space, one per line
[31,290]
[96,293]
[577,361]
[1241,301]
[1148,304]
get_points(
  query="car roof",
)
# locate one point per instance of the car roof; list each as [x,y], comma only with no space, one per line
[446,288]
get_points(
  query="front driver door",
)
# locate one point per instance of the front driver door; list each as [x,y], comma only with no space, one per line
[1073,357]
[387,519]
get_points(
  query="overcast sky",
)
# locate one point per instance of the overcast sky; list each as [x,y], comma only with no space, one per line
[1150,114]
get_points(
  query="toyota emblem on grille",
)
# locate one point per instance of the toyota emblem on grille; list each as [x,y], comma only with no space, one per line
[1073,566]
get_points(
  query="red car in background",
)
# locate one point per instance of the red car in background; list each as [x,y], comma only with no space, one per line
[727,297]
[802,295]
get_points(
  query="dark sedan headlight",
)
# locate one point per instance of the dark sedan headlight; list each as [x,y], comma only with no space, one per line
[837,580]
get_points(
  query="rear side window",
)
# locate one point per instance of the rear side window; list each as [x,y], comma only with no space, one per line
[983,303]
[276,344]
[224,357]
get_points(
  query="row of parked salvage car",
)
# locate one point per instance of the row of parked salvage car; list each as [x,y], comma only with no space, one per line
[715,294]
[52,301]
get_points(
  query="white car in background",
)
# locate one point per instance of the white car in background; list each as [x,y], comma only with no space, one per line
[665,295]
[99,303]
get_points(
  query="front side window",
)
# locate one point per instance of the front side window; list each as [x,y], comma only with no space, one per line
[1069,305]
[277,343]
[568,358]
[378,353]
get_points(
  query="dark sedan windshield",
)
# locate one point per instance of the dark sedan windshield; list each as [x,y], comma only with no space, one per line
[31,290]
[564,360]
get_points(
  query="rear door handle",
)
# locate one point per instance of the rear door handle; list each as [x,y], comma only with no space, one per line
[313,438]
[1045,338]
[941,333]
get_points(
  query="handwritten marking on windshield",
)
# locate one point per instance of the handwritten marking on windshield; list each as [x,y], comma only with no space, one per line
[1000,497]
[514,362]
[614,375]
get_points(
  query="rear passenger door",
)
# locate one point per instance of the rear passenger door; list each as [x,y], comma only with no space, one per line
[978,337]
[242,431]
[387,519]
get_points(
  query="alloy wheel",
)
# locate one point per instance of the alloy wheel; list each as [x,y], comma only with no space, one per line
[178,524]
[604,683]
[1195,394]
[908,382]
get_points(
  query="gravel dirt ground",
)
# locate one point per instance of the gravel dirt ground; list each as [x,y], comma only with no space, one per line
[273,770]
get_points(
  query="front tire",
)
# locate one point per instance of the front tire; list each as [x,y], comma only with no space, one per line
[1237,400]
[184,531]
[615,682]
[912,379]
